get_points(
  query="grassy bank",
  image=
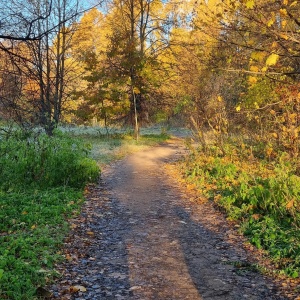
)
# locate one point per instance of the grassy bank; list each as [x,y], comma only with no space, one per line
[260,194]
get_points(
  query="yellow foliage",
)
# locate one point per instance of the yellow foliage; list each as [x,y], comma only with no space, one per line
[238,108]
[258,55]
[284,36]
[264,69]
[283,23]
[250,4]
[272,59]
[254,69]
[136,90]
[269,151]
[283,12]
[252,79]
[270,22]
[293,118]
[294,3]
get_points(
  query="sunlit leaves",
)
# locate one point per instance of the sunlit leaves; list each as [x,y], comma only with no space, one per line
[272,59]
[284,36]
[254,69]
[294,3]
[258,55]
[252,80]
[250,4]
[283,23]
[283,12]
[271,22]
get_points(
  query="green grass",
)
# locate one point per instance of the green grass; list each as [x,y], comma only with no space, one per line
[263,196]
[32,228]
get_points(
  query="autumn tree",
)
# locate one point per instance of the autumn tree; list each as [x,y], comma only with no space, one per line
[253,48]
[35,41]
[138,36]
[88,50]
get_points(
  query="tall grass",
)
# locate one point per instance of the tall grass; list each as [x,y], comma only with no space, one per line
[43,161]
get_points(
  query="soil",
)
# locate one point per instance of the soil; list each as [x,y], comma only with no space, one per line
[142,236]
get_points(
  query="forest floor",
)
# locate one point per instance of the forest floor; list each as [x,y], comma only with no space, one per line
[141,235]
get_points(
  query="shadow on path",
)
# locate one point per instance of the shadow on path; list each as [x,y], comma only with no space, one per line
[219,269]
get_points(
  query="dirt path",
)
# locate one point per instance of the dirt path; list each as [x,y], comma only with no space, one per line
[138,237]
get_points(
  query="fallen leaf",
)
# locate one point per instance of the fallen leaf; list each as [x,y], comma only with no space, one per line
[77,288]
[290,204]
[256,216]
[68,257]
[134,288]
[73,226]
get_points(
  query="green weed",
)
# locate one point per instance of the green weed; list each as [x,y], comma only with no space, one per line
[44,161]
[33,226]
[263,197]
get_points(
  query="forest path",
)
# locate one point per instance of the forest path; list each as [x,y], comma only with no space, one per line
[140,237]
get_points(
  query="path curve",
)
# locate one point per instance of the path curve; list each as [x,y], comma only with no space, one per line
[138,237]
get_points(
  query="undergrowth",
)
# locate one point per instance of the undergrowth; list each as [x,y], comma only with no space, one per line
[262,195]
[37,160]
[32,227]
[42,179]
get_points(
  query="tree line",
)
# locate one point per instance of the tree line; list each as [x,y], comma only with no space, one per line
[214,64]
